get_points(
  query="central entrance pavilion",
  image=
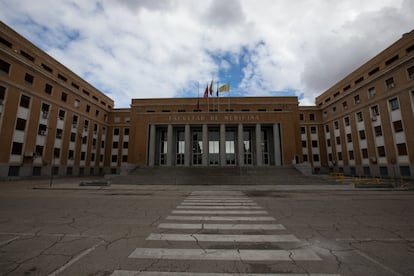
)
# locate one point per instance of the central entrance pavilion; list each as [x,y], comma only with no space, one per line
[248,131]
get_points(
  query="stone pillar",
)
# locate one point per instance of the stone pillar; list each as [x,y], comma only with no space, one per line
[222,145]
[151,152]
[205,145]
[259,157]
[276,144]
[240,145]
[170,145]
[187,142]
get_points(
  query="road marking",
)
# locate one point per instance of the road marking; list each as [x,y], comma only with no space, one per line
[76,258]
[376,240]
[164,273]
[219,200]
[207,226]
[216,207]
[222,238]
[220,193]
[220,218]
[216,197]
[218,212]
[225,254]
[220,204]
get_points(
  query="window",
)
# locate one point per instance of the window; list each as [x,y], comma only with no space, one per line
[362,135]
[334,109]
[14,171]
[125,145]
[96,113]
[346,121]
[351,155]
[124,158]
[64,97]
[86,125]
[381,151]
[402,149]
[356,99]
[114,158]
[327,128]
[75,85]
[312,117]
[339,155]
[74,120]
[47,68]
[316,157]
[345,105]
[314,144]
[338,140]
[359,80]
[305,158]
[378,131]
[84,140]
[336,94]
[346,88]
[27,56]
[59,133]
[39,150]
[17,148]
[394,105]
[302,130]
[115,145]
[328,142]
[372,92]
[303,144]
[61,114]
[301,116]
[42,130]
[62,77]
[28,78]
[5,42]
[330,156]
[405,171]
[72,137]
[313,129]
[20,124]
[126,131]
[373,71]
[398,127]
[4,66]
[360,118]
[56,152]
[77,103]
[2,94]
[116,131]
[390,83]
[336,124]
[88,108]
[82,156]
[410,72]
[364,153]
[24,101]
[349,137]
[374,111]
[391,60]
[383,171]
[48,88]
[92,157]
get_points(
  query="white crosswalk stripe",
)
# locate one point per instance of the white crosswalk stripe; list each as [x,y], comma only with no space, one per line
[199,226]
[223,238]
[236,213]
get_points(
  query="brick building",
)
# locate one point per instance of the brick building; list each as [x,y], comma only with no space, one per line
[54,122]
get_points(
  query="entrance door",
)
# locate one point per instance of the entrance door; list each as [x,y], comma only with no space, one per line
[214,147]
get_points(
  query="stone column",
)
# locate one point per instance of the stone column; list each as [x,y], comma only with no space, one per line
[240,145]
[259,157]
[170,145]
[151,152]
[187,143]
[276,144]
[222,145]
[205,145]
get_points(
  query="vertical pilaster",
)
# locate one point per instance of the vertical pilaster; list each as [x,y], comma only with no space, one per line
[259,157]
[170,145]
[187,142]
[151,150]
[222,145]
[205,145]
[276,144]
[240,145]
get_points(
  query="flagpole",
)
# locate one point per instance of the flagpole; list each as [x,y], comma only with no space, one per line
[208,101]
[198,95]
[218,100]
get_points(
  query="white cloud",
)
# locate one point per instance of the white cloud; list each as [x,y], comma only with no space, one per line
[133,49]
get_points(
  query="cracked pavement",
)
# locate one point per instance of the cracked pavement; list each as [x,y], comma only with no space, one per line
[92,232]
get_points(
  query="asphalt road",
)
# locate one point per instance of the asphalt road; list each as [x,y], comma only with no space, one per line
[205,230]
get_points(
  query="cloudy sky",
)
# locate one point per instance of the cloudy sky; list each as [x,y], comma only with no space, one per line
[169,48]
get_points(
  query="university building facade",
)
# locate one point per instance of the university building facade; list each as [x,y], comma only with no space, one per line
[54,122]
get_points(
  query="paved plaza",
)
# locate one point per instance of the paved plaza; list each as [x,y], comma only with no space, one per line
[67,229]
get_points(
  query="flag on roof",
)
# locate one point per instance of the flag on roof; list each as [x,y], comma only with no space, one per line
[206,92]
[211,88]
[224,88]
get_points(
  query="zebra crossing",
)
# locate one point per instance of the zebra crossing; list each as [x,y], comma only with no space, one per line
[220,218]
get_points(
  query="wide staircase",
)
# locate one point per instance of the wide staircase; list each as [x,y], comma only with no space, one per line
[287,175]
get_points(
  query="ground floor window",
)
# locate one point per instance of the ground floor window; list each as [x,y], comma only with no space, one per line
[14,171]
